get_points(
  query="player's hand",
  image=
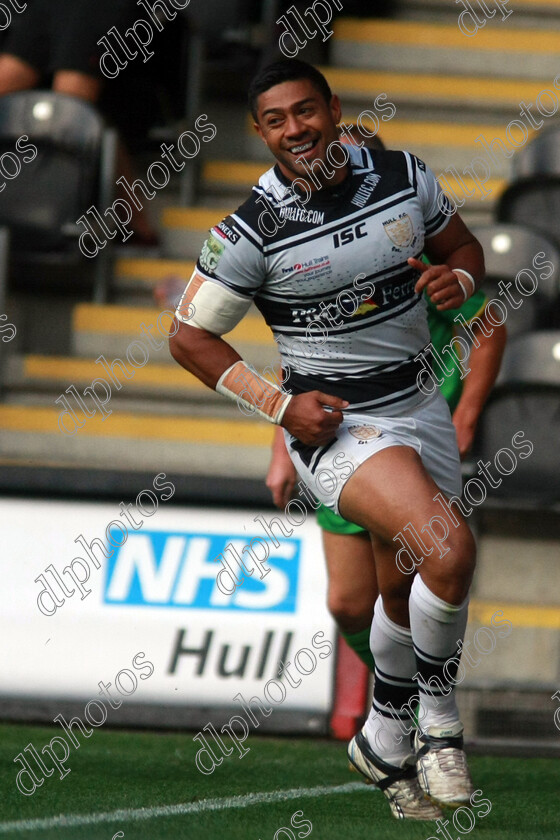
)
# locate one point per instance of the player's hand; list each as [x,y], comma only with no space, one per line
[307,420]
[441,284]
[465,427]
[281,479]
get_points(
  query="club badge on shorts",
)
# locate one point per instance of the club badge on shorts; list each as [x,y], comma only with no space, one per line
[364,434]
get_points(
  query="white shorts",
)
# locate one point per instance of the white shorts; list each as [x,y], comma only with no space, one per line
[427,428]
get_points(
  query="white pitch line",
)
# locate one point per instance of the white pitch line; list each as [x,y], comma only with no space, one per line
[73,820]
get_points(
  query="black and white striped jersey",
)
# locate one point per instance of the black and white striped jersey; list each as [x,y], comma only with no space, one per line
[330,276]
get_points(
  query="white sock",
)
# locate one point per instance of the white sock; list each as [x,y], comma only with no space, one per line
[388,724]
[437,629]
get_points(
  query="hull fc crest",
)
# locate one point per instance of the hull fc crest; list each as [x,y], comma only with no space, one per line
[400,231]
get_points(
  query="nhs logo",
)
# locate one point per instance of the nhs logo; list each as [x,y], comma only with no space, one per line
[203,571]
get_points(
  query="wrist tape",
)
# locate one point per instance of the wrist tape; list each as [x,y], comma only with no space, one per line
[466,295]
[253,393]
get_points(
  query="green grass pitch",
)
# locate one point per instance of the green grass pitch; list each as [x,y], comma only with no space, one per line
[120,781]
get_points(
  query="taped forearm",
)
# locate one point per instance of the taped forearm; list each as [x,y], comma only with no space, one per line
[253,393]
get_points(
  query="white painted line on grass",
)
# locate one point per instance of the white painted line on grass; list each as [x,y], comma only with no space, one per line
[73,820]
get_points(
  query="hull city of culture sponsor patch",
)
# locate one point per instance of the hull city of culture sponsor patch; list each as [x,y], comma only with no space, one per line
[210,255]
[364,434]
[400,231]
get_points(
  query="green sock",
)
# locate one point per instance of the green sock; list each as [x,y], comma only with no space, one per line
[359,642]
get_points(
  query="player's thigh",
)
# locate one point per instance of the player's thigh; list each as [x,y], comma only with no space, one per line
[392,494]
[387,491]
[352,587]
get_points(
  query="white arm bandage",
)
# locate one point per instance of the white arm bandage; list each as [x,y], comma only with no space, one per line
[469,277]
[253,393]
[210,306]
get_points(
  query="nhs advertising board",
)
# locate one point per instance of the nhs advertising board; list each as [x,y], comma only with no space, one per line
[218,601]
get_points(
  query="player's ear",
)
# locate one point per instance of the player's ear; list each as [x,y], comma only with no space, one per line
[336,108]
[259,131]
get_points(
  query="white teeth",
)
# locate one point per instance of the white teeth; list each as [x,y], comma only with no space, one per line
[297,149]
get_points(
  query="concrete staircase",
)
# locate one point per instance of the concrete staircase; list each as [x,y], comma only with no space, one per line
[447,90]
[148,412]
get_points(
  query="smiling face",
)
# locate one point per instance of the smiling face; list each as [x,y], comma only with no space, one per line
[296,123]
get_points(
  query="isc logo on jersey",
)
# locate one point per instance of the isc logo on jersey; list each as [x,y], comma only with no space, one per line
[348,235]
[161,569]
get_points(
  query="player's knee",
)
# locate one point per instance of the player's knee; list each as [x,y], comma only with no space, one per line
[450,576]
[453,545]
[463,551]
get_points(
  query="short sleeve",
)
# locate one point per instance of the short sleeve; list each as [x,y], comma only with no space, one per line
[232,257]
[435,205]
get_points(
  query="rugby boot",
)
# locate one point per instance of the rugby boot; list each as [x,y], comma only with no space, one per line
[441,765]
[399,784]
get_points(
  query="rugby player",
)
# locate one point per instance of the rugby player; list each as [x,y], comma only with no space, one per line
[364,436]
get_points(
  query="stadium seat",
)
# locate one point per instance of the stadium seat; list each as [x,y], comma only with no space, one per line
[540,156]
[47,190]
[525,407]
[510,249]
[533,202]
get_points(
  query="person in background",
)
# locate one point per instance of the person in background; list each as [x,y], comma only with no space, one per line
[56,40]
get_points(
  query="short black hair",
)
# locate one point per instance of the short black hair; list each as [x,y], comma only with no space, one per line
[288,70]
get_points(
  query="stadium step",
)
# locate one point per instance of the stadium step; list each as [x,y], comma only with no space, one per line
[450,96]
[527,649]
[31,377]
[36,373]
[174,443]
[137,275]
[440,144]
[534,13]
[416,47]
[184,229]
[115,330]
